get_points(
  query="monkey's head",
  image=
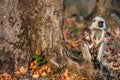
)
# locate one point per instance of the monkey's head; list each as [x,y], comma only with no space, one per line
[98,23]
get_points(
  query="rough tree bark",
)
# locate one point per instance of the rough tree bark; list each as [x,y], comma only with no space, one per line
[15,46]
[46,22]
[27,25]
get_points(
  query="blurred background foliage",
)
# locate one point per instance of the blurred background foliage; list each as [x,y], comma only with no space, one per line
[78,17]
[80,7]
[88,9]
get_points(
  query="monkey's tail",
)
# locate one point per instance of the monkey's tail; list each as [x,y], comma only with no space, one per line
[74,58]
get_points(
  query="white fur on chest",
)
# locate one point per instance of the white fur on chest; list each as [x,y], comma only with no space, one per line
[97,36]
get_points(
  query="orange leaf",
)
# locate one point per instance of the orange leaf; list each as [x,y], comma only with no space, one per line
[35,75]
[33,65]
[58,75]
[40,71]
[83,78]
[68,20]
[75,75]
[18,73]
[45,67]
[0,77]
[37,51]
[43,74]
[65,34]
[48,70]
[23,69]
[62,77]
[53,78]
[66,73]
[116,68]
[67,78]
[116,65]
[73,44]
[6,76]
[14,79]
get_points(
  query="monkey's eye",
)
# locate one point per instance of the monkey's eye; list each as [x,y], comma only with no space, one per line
[93,20]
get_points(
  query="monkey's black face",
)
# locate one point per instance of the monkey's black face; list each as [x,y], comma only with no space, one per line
[101,24]
[98,23]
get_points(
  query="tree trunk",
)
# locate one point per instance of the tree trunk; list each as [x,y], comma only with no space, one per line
[27,25]
[15,47]
[46,29]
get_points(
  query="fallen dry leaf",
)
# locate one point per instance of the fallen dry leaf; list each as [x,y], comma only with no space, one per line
[0,76]
[37,51]
[116,64]
[67,78]
[5,76]
[69,20]
[33,65]
[48,70]
[14,79]
[75,75]
[73,44]
[58,75]
[65,34]
[36,74]
[40,71]
[23,70]
[53,78]
[17,73]
[65,73]
[84,78]
[110,57]
[43,74]
[116,68]
[45,67]
[62,77]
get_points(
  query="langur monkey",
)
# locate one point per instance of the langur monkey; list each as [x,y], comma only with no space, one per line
[97,35]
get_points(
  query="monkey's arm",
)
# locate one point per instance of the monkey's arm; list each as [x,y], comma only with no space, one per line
[100,51]
[85,52]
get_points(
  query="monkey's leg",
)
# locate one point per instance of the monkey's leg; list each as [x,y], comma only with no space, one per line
[100,51]
[85,52]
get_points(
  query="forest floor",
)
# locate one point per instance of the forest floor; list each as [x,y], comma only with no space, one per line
[75,28]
